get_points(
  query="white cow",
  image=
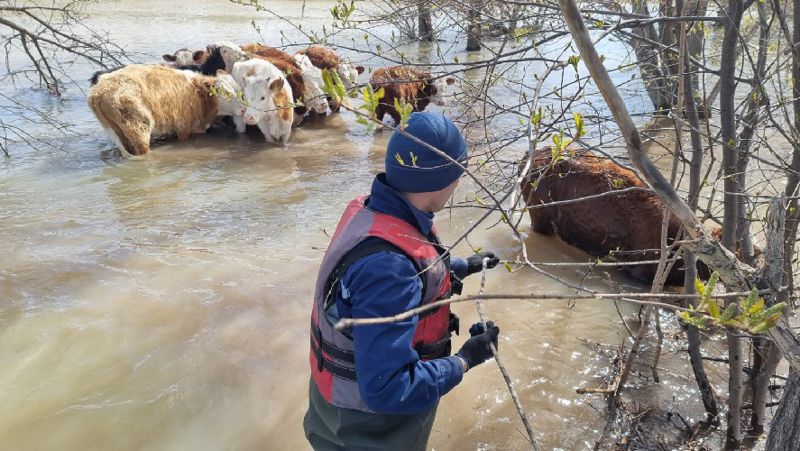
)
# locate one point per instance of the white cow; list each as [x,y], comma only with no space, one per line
[268,97]
[230,103]
[312,76]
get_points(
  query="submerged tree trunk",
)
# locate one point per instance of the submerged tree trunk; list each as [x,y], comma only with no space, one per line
[474,25]
[647,56]
[425,23]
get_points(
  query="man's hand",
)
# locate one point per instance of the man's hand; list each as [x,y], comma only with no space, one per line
[478,348]
[475,262]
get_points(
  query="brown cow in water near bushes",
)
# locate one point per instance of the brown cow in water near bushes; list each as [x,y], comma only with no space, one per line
[626,226]
[415,86]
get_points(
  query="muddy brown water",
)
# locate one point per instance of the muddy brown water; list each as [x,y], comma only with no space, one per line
[164,303]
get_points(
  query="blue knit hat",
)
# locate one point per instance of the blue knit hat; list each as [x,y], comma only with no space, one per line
[413,168]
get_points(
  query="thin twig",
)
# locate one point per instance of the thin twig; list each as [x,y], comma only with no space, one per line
[522,415]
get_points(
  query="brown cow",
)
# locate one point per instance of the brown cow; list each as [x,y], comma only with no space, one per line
[137,102]
[626,226]
[415,86]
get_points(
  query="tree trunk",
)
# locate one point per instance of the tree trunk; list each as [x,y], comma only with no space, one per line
[669,38]
[689,259]
[766,355]
[793,217]
[730,165]
[784,434]
[648,56]
[474,25]
[425,23]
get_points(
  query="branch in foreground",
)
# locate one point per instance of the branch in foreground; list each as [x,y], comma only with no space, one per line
[346,323]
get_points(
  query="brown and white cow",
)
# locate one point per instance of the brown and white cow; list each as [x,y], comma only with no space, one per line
[306,86]
[137,102]
[268,98]
[326,59]
[415,86]
[626,226]
[185,57]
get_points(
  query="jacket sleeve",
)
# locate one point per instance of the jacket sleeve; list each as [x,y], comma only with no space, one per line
[391,377]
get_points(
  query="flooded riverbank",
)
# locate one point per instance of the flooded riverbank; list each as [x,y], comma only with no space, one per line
[164,303]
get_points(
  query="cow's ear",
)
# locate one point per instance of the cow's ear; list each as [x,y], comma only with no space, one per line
[360,69]
[198,55]
[221,72]
[449,80]
[168,58]
[276,85]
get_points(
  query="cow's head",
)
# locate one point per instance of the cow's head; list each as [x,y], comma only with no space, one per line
[228,92]
[315,98]
[435,89]
[182,57]
[349,74]
[229,52]
[259,92]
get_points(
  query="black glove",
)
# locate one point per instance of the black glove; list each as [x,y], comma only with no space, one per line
[454,323]
[477,349]
[475,262]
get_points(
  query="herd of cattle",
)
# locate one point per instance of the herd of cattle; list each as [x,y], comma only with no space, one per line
[273,90]
[252,83]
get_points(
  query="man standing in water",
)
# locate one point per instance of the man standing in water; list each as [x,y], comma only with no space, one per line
[378,386]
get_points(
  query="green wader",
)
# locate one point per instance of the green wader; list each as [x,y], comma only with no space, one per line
[330,428]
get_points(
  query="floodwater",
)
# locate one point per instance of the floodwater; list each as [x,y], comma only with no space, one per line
[164,304]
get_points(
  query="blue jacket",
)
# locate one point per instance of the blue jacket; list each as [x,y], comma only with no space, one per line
[391,377]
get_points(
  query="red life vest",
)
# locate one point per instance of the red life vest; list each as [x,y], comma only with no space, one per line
[331,357]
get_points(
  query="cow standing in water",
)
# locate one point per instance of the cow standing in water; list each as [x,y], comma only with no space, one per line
[138,102]
[268,98]
[306,85]
[326,59]
[415,86]
[626,226]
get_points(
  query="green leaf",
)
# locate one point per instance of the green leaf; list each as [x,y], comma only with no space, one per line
[729,312]
[574,60]
[713,310]
[756,307]
[508,266]
[399,159]
[579,131]
[699,287]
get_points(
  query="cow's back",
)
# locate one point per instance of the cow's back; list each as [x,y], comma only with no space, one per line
[625,224]
[165,100]
[321,57]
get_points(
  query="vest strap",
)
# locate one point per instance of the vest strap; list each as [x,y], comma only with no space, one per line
[332,367]
[332,350]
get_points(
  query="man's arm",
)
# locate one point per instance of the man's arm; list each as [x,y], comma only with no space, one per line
[391,378]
